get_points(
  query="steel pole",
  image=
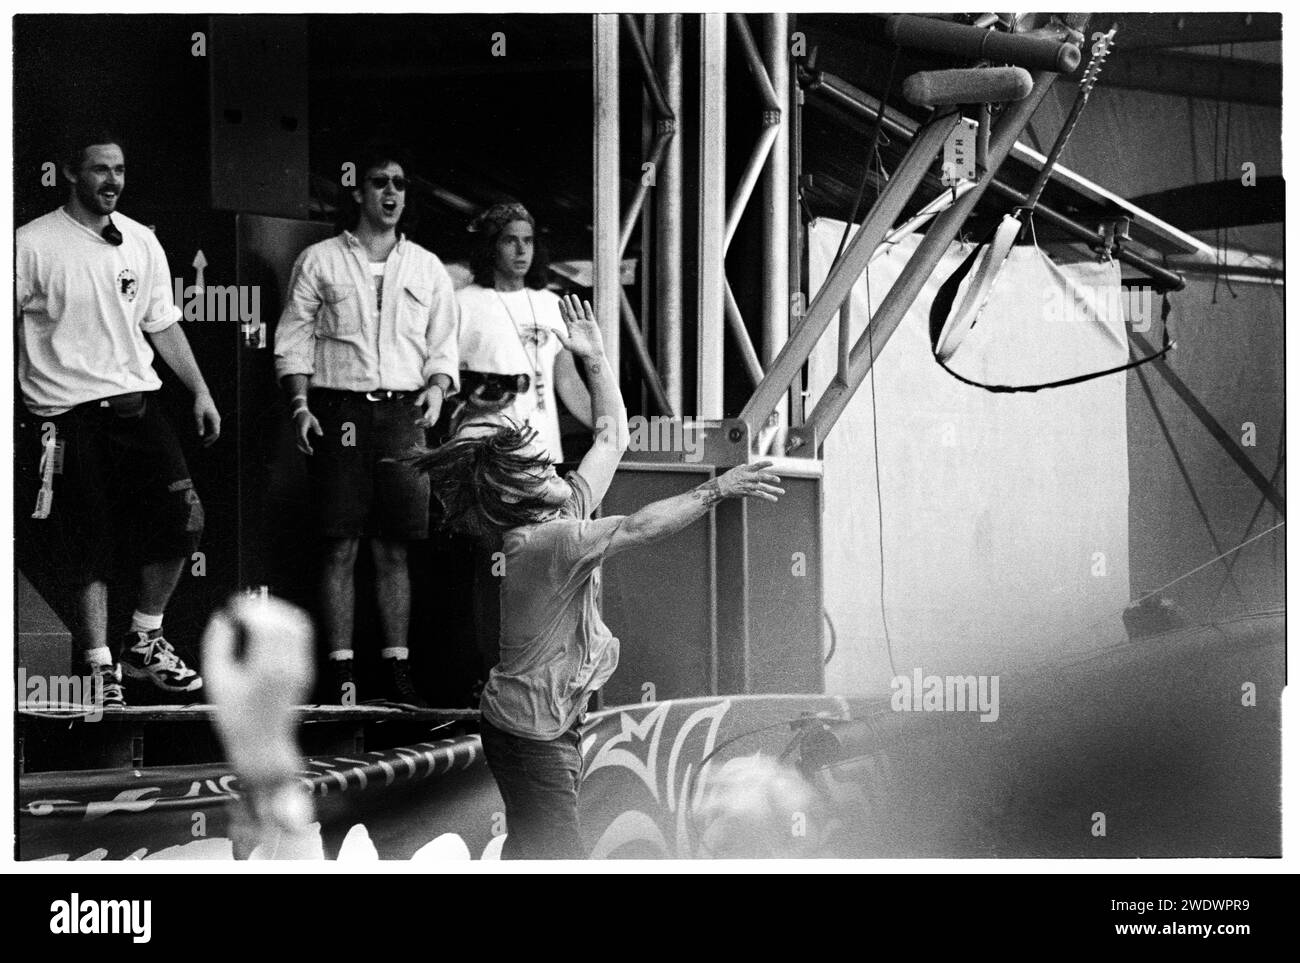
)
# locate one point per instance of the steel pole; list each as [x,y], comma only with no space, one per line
[605,150]
[713,184]
[776,209]
[668,214]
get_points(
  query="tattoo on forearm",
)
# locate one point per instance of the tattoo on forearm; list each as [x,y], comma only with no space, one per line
[710,493]
[594,367]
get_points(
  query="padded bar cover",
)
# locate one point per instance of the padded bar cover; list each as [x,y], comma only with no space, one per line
[974,43]
[976,85]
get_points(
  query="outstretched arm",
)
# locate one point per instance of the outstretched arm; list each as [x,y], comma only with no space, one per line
[661,519]
[610,429]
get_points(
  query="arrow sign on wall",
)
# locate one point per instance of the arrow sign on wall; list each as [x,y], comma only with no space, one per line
[199,263]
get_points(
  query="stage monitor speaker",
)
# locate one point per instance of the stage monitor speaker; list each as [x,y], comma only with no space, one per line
[769,587]
[732,604]
[660,600]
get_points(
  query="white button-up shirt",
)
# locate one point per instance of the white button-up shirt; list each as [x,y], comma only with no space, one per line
[333,330]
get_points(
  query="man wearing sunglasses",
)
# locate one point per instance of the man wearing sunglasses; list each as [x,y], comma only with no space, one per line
[366,352]
[95,454]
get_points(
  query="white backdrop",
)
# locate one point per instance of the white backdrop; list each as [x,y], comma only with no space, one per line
[1005,516]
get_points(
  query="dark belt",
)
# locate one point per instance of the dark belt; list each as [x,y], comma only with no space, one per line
[381,395]
[129,405]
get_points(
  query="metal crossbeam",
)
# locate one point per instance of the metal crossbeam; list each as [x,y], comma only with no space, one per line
[839,282]
[918,268]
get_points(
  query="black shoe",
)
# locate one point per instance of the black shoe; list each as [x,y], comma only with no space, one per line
[148,656]
[399,688]
[342,685]
[109,682]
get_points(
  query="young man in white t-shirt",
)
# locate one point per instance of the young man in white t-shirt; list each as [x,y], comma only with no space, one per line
[93,293]
[510,325]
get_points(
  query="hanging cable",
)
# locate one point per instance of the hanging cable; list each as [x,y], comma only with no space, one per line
[880,508]
[872,157]
[1227,137]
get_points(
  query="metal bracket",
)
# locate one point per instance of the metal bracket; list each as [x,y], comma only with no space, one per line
[802,442]
[1112,231]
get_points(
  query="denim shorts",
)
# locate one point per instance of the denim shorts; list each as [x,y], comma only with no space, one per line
[123,478]
[539,784]
[360,485]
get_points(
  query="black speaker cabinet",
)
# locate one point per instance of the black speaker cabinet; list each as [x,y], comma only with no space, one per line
[258,117]
[731,604]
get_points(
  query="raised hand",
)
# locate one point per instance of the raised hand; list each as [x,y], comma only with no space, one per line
[256,690]
[583,337]
[257,663]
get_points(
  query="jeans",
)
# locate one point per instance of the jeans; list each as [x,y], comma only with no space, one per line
[539,783]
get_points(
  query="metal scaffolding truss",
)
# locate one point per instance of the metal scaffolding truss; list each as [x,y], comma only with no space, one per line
[1045,56]
[719,219]
[776,373]
[770,73]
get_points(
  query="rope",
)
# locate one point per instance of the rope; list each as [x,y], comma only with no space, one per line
[1207,564]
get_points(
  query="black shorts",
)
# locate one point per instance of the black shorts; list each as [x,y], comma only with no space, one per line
[360,485]
[123,475]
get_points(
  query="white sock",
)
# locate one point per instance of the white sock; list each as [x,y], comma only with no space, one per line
[396,652]
[100,655]
[140,622]
[341,655]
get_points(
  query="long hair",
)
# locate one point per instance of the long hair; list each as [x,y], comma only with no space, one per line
[478,479]
[483,255]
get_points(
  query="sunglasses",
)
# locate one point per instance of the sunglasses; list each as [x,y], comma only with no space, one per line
[380,182]
[111,234]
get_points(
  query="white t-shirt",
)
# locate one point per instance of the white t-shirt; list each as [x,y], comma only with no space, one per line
[86,306]
[513,332]
[377,275]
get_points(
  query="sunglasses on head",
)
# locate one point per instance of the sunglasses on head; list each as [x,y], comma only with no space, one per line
[380,181]
[111,234]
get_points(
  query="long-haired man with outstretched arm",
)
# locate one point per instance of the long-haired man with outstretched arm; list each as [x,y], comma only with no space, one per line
[555,648]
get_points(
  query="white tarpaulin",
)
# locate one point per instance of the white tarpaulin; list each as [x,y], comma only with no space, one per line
[1005,516]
